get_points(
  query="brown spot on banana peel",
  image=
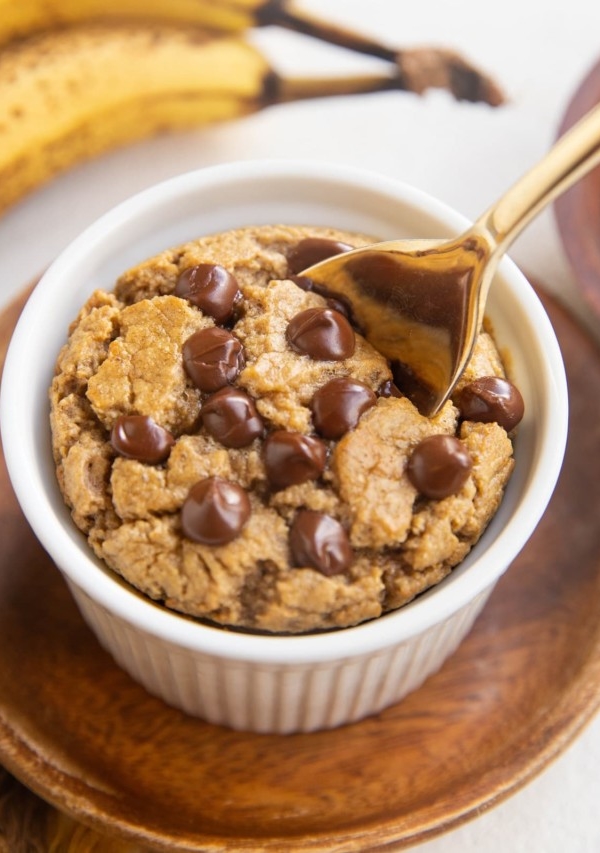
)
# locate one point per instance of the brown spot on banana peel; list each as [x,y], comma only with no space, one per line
[76,93]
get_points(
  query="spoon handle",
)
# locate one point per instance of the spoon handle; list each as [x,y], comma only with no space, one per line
[575,154]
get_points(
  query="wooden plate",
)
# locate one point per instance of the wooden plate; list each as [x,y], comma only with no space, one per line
[88,740]
[578,210]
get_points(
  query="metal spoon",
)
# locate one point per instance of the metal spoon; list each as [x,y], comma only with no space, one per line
[421,302]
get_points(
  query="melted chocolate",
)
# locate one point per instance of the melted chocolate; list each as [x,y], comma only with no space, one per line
[439,466]
[321,333]
[431,303]
[230,416]
[292,458]
[215,511]
[140,437]
[425,296]
[211,288]
[213,358]
[320,542]
[338,405]
[491,398]
[313,250]
[337,302]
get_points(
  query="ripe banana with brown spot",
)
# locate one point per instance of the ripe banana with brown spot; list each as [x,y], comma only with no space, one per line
[417,68]
[71,94]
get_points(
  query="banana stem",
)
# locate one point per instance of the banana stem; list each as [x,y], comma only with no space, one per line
[417,69]
[279,89]
[284,13]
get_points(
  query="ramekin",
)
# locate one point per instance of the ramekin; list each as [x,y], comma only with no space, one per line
[276,684]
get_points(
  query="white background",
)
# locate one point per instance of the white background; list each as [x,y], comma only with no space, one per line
[467,155]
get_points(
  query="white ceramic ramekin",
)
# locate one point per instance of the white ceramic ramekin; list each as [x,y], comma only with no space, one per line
[253,682]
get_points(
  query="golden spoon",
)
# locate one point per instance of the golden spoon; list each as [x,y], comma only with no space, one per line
[421,302]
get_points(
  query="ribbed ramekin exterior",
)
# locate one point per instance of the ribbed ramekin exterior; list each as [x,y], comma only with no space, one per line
[277,698]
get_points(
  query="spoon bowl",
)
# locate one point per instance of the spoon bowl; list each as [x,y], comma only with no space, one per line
[421,303]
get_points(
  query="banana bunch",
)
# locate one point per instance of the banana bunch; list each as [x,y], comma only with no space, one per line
[79,77]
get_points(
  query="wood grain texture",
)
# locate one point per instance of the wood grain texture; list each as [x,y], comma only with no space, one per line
[134,775]
[578,210]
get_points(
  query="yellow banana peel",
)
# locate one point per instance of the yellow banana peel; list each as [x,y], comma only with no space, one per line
[21,18]
[71,94]
[80,77]
[418,69]
[74,93]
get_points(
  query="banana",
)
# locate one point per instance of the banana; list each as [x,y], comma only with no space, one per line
[419,68]
[76,89]
[22,18]
[72,94]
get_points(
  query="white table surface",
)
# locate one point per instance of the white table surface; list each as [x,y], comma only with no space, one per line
[539,50]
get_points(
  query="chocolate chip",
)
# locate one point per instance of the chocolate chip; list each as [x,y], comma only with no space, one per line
[292,458]
[213,358]
[491,398]
[321,333]
[214,511]
[338,405]
[319,542]
[439,466]
[211,288]
[230,416]
[140,437]
[310,251]
[338,302]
